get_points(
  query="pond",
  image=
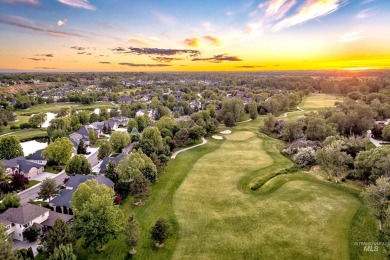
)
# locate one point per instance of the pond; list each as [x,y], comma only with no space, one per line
[32,146]
[49,117]
[97,110]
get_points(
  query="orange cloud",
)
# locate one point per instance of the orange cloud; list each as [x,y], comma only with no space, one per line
[192,42]
[213,40]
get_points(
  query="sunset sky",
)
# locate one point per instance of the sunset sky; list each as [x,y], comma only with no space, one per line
[178,35]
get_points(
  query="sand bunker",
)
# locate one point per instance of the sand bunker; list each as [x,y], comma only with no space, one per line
[226,132]
[217,137]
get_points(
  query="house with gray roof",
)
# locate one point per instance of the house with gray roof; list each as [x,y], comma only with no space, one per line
[16,220]
[73,183]
[30,168]
[37,157]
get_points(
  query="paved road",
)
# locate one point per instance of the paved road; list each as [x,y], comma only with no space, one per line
[185,149]
[32,193]
[377,143]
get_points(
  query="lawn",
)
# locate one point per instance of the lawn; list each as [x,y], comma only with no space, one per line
[28,134]
[30,184]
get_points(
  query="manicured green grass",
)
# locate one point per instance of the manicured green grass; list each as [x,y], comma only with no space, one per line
[31,183]
[30,134]
[293,216]
[319,101]
[158,205]
[56,107]
[314,102]
[205,195]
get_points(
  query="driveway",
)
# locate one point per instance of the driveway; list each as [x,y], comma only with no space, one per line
[24,244]
[32,193]
[43,176]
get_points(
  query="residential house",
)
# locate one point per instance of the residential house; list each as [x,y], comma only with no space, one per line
[29,168]
[240,93]
[125,151]
[246,100]
[73,183]
[125,100]
[121,120]
[16,220]
[82,133]
[149,112]
[37,157]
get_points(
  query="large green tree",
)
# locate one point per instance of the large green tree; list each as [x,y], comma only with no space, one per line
[269,123]
[252,110]
[372,164]
[59,235]
[10,147]
[140,188]
[334,160]
[377,198]
[292,130]
[317,128]
[135,164]
[232,110]
[111,172]
[63,252]
[6,244]
[10,200]
[47,189]
[78,165]
[38,119]
[96,216]
[105,149]
[93,136]
[59,151]
[132,234]
[386,133]
[119,140]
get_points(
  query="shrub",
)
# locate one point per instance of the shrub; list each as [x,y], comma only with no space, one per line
[301,143]
[305,156]
[14,127]
[160,231]
[118,199]
[31,233]
[25,126]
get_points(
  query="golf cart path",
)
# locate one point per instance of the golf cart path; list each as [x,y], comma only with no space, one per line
[204,141]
